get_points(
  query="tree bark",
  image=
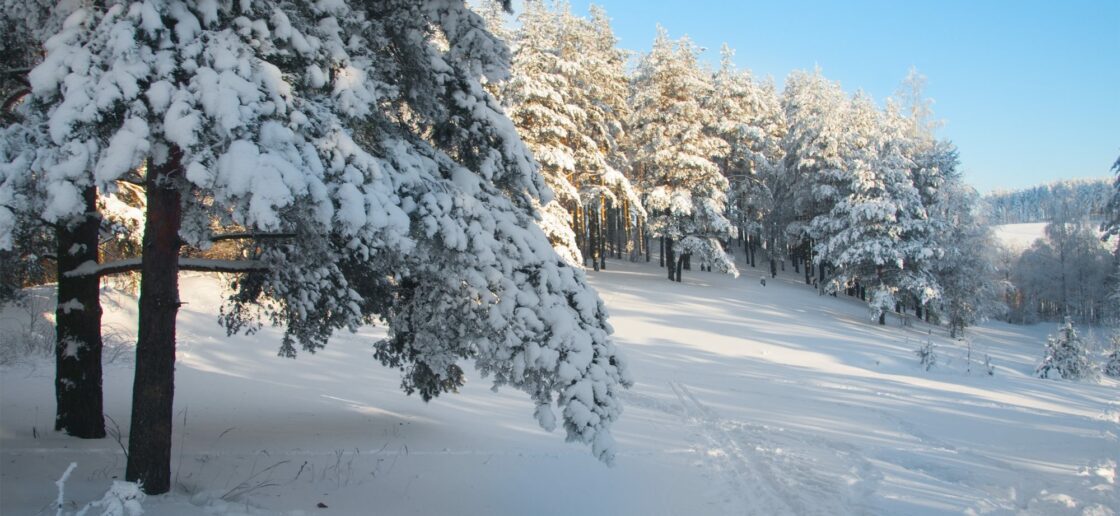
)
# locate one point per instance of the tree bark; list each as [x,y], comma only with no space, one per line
[667,254]
[77,382]
[751,247]
[680,261]
[149,443]
[602,241]
[594,235]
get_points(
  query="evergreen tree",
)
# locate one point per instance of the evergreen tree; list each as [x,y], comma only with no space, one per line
[671,150]
[877,232]
[355,144]
[1112,361]
[1111,224]
[538,94]
[567,96]
[971,291]
[1066,356]
[74,237]
[749,119]
[813,167]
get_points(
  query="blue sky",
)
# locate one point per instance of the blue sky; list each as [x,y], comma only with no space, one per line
[1028,90]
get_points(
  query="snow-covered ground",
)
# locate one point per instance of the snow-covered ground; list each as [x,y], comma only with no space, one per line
[1019,237]
[750,399]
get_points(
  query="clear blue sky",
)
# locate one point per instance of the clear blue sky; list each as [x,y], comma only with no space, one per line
[1028,90]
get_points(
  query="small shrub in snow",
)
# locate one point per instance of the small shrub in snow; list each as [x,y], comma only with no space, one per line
[1067,356]
[926,356]
[122,499]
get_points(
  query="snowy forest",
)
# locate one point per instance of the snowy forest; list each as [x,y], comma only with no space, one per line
[1061,199]
[465,177]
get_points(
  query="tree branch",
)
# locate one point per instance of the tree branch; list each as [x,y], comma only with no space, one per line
[185,264]
[16,71]
[14,98]
[244,235]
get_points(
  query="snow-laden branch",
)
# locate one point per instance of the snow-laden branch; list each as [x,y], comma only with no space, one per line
[185,264]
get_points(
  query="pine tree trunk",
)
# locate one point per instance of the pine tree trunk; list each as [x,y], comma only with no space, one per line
[680,261]
[77,381]
[593,225]
[773,268]
[882,318]
[645,241]
[667,254]
[149,443]
[751,247]
[602,241]
[661,253]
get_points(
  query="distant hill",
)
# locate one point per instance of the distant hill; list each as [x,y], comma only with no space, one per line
[1080,197]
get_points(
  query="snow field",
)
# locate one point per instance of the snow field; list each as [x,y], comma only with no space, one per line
[749,400]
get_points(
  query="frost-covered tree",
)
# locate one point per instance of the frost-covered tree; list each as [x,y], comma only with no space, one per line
[878,232]
[1066,356]
[70,240]
[813,167]
[748,117]
[1066,274]
[567,96]
[671,153]
[355,144]
[612,203]
[539,98]
[1112,361]
[971,291]
[1111,225]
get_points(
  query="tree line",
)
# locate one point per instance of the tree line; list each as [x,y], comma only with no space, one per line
[1042,203]
[683,162]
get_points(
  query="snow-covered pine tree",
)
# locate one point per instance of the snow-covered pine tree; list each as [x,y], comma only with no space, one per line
[1112,360]
[567,95]
[356,143]
[671,153]
[1066,356]
[877,233]
[601,91]
[970,289]
[1111,224]
[26,25]
[1111,227]
[749,119]
[538,94]
[812,168]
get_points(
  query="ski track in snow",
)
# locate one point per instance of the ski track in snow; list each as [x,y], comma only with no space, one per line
[768,470]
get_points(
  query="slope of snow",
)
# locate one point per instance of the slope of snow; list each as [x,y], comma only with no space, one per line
[750,399]
[1019,237]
